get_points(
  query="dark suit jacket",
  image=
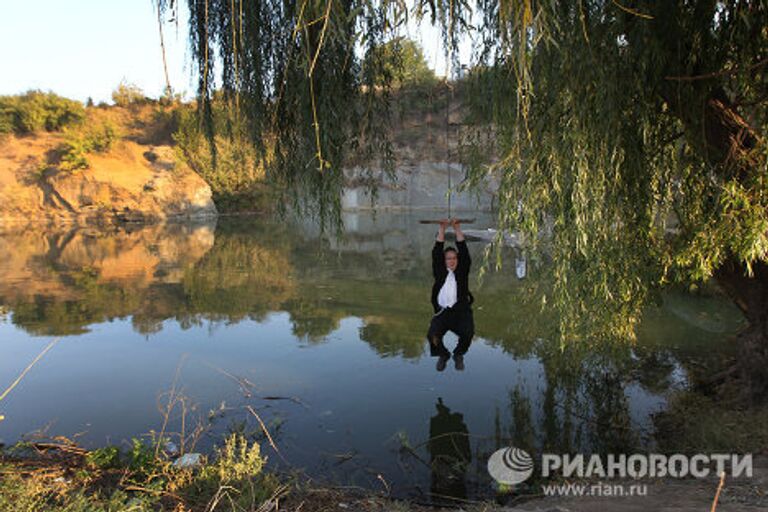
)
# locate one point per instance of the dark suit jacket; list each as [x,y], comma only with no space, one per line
[440,272]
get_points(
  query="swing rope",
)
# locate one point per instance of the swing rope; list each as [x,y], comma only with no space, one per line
[449,101]
[449,92]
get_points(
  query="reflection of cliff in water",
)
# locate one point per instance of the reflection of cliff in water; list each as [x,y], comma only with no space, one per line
[62,282]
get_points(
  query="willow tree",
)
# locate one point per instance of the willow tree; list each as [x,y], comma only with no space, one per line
[631,132]
[635,134]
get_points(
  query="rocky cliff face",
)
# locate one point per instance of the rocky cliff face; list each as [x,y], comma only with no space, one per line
[132,182]
[416,185]
[427,143]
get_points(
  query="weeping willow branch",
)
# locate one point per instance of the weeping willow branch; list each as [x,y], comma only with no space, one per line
[316,123]
[716,74]
[633,12]
[322,164]
[326,19]
[168,88]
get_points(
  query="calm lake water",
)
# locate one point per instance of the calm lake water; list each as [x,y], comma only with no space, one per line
[324,339]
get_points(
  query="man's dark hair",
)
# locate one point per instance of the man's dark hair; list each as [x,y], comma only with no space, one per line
[451,249]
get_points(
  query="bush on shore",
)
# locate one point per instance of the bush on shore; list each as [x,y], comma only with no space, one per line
[234,171]
[78,144]
[37,111]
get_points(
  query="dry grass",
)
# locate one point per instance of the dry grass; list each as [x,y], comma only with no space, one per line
[146,124]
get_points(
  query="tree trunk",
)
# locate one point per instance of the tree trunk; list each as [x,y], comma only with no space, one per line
[728,142]
[728,139]
[722,136]
[750,294]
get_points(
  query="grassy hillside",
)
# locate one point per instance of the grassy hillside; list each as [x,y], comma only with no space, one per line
[42,135]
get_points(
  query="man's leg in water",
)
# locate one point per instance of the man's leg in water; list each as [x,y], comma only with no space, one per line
[437,329]
[464,327]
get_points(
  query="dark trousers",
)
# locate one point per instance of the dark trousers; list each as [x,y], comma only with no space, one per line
[459,321]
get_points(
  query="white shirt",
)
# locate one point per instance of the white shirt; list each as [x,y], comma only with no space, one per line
[447,296]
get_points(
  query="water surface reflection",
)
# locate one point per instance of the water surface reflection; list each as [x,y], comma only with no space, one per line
[324,338]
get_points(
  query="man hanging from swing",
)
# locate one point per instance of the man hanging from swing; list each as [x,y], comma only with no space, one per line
[451,298]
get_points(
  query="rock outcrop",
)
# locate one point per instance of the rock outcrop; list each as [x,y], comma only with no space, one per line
[426,144]
[415,185]
[131,182]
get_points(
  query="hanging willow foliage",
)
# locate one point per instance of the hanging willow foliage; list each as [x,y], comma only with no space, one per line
[632,132]
[292,72]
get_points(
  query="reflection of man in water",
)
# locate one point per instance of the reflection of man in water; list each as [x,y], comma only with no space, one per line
[449,452]
[451,298]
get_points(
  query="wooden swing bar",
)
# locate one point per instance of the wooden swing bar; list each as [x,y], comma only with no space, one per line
[433,221]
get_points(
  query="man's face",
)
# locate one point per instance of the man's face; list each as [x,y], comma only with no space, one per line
[451,260]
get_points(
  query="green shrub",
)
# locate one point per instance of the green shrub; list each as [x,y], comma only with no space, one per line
[36,111]
[73,155]
[78,144]
[6,120]
[237,174]
[399,62]
[100,139]
[238,466]
[171,98]
[136,480]
[238,460]
[128,94]
[104,458]
[164,124]
[141,459]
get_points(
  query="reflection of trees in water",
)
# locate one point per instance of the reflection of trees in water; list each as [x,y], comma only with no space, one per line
[312,318]
[250,270]
[521,430]
[60,283]
[583,406]
[401,339]
[253,268]
[239,278]
[86,302]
